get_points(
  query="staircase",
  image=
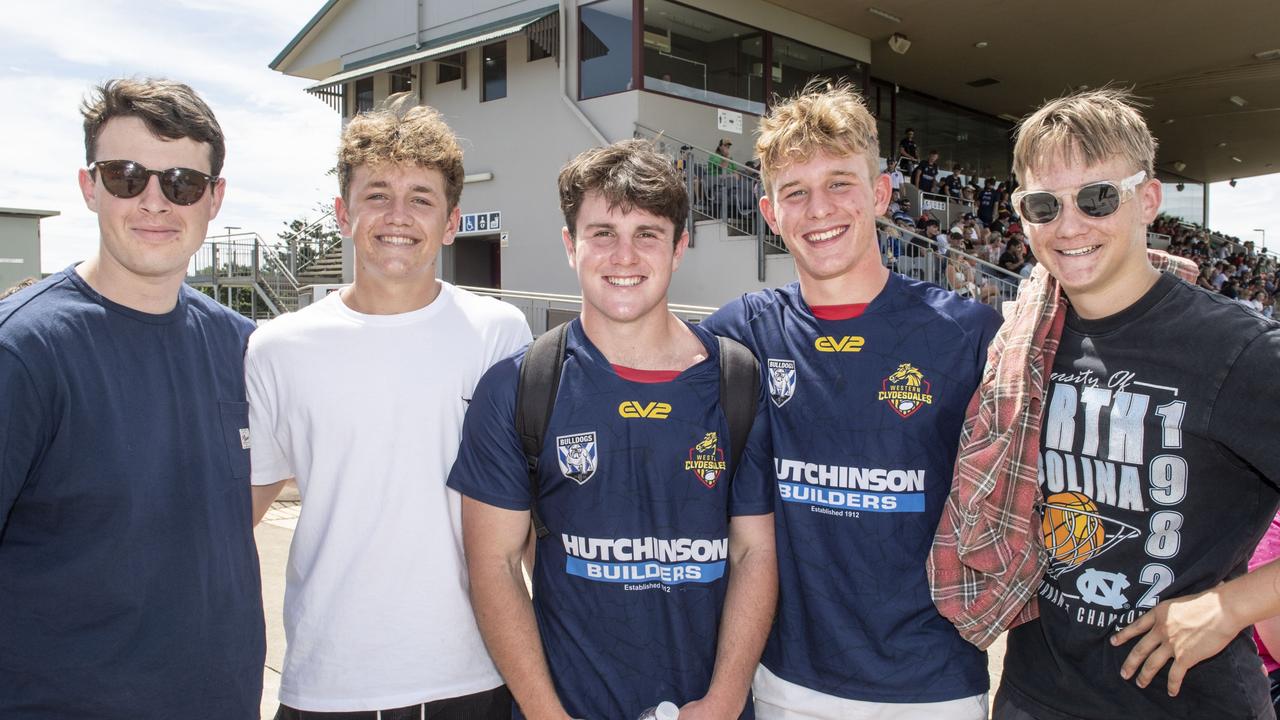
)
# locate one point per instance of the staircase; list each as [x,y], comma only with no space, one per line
[263,279]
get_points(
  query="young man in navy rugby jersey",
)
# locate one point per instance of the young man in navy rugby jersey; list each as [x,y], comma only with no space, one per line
[869,373]
[657,578]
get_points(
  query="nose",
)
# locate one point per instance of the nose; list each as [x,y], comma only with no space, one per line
[1070,221]
[152,199]
[819,204]
[398,212]
[624,251]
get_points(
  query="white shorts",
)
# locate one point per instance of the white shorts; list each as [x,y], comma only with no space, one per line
[778,699]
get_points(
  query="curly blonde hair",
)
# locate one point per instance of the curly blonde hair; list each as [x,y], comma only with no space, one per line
[1088,127]
[397,134]
[822,117]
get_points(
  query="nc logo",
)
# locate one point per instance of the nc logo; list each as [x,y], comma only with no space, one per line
[1103,588]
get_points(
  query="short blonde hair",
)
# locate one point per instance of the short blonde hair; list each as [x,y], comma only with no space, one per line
[395,134]
[822,117]
[1088,127]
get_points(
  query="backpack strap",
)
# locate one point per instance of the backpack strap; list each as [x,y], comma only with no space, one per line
[535,399]
[739,393]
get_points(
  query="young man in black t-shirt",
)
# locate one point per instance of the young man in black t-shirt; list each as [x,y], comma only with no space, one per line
[1158,465]
[987,202]
[926,173]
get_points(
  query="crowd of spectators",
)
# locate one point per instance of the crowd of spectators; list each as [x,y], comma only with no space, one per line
[1227,266]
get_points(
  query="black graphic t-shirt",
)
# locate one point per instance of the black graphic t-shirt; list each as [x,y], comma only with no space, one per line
[1158,471]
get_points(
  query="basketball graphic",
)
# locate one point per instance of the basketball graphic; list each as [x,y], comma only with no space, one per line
[1074,531]
[1069,533]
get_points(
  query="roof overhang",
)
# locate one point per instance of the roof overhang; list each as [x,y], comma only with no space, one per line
[1187,58]
[27,213]
[439,48]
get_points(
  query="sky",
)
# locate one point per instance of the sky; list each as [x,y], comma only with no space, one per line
[280,141]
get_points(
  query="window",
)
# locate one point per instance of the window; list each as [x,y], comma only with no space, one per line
[604,48]
[364,95]
[495,71]
[795,64]
[450,67]
[401,80]
[703,57]
[544,37]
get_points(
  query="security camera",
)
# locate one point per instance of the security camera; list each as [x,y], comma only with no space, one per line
[1232,183]
[1180,187]
[899,43]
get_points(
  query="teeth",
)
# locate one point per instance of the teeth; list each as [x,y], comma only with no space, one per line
[624,281]
[1080,251]
[396,240]
[819,237]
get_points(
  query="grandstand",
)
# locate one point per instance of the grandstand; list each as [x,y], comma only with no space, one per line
[529,84]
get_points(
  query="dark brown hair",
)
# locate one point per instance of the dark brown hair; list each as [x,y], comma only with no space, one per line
[628,174]
[169,109]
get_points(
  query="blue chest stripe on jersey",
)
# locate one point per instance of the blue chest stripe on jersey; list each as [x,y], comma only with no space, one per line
[834,498]
[643,571]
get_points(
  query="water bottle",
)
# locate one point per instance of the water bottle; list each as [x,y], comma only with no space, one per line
[663,711]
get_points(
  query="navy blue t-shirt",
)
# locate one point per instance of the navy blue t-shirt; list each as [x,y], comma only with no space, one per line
[987,205]
[865,415]
[635,490]
[129,583]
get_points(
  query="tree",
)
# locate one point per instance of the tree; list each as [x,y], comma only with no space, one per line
[307,238]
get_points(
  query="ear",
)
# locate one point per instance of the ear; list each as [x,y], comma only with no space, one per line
[217,192]
[451,229]
[681,245]
[1149,196]
[342,215]
[883,188]
[88,189]
[767,210]
[569,247]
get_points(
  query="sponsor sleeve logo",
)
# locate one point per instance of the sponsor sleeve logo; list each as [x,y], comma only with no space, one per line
[636,409]
[577,455]
[905,390]
[645,559]
[848,343]
[782,380]
[706,460]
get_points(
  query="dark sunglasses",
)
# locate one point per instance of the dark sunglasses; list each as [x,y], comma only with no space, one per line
[127,179]
[1095,200]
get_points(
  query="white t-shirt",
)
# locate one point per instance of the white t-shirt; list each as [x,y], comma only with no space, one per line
[366,412]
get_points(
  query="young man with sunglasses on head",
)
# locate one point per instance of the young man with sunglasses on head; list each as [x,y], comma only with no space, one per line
[655,577]
[869,373]
[1158,462]
[129,582]
[360,397]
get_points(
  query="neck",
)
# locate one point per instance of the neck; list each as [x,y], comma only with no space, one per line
[376,298]
[658,341]
[154,295]
[858,286]
[1105,302]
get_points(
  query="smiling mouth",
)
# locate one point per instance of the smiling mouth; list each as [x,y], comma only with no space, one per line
[624,280]
[825,235]
[1078,252]
[398,240]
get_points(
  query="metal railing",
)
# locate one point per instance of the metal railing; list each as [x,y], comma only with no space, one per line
[719,189]
[304,251]
[917,256]
[244,259]
[544,311]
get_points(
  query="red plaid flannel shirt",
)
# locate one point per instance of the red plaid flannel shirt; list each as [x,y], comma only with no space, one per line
[988,555]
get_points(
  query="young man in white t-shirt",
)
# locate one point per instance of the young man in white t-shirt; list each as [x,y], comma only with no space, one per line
[360,398]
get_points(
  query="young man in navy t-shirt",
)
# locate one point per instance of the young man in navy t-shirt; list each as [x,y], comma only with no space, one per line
[657,578]
[869,373]
[129,583]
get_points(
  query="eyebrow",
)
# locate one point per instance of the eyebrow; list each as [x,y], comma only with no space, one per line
[832,174]
[383,185]
[651,227]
